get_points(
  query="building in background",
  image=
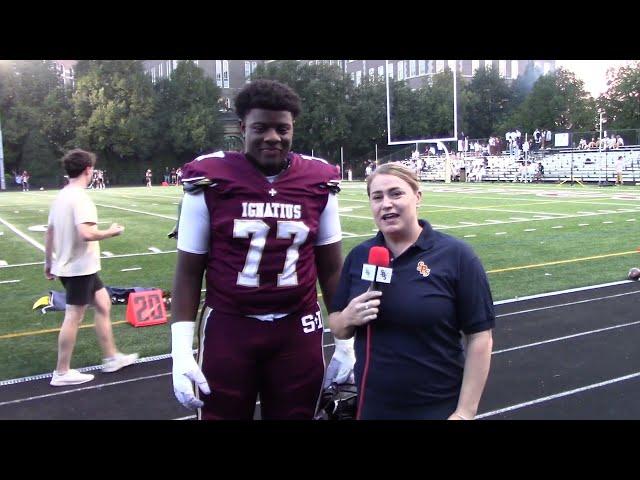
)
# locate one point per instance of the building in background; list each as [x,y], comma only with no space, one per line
[66,71]
[417,72]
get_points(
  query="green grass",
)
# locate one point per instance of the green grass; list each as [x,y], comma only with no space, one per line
[445,206]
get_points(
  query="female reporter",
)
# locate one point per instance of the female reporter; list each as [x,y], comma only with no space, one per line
[410,358]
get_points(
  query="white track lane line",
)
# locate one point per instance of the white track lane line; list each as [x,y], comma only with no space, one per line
[92,387]
[559,339]
[558,395]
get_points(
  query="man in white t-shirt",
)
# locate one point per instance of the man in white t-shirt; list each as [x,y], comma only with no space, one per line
[619,169]
[72,254]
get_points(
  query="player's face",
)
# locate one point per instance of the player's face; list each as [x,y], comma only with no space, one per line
[394,204]
[267,138]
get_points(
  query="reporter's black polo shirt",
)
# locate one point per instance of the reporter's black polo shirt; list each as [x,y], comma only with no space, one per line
[416,355]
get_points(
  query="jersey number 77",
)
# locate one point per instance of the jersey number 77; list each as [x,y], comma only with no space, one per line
[258,230]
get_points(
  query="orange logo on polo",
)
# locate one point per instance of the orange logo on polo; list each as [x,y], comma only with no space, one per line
[423,268]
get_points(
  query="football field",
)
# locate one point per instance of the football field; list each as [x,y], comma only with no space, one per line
[531,239]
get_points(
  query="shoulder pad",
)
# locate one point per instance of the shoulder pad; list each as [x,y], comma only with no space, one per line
[196,184]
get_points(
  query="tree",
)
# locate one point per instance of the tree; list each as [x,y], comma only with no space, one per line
[30,91]
[488,105]
[368,118]
[323,126]
[115,105]
[558,101]
[188,112]
[621,101]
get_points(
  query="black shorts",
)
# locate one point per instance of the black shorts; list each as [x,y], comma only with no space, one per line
[81,290]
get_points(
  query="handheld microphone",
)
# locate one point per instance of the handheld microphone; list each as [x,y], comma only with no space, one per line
[377,267]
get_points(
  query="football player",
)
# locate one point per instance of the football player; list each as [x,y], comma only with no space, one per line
[263,226]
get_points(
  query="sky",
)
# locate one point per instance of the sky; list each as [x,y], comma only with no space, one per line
[592,72]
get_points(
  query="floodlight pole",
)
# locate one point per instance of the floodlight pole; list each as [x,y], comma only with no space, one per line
[3,185]
[341,163]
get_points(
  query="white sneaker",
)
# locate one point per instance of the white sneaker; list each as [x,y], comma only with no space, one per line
[118,361]
[72,377]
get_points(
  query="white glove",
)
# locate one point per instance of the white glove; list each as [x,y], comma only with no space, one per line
[340,369]
[185,368]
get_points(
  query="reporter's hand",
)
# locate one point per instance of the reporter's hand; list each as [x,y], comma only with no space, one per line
[185,369]
[363,308]
[340,369]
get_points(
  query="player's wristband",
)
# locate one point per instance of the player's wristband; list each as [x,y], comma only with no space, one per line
[182,337]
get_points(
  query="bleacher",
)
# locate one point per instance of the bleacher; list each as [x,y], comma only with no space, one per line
[560,165]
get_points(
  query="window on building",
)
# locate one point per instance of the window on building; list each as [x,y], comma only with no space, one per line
[413,68]
[390,68]
[254,65]
[372,72]
[475,65]
[488,64]
[358,77]
[219,73]
[381,71]
[422,67]
[175,64]
[196,62]
[514,68]
[400,69]
[547,67]
[353,77]
[160,74]
[439,66]
[225,74]
[247,71]
[502,68]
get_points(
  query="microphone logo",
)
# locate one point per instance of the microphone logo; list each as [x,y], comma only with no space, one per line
[368,272]
[384,275]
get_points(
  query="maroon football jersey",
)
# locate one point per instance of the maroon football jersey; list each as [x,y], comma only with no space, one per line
[261,254]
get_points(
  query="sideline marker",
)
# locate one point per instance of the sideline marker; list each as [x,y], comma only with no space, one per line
[146,308]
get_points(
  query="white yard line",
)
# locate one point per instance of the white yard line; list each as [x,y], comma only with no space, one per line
[137,211]
[104,258]
[26,237]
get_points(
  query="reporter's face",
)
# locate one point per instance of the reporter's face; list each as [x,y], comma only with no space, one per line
[393,204]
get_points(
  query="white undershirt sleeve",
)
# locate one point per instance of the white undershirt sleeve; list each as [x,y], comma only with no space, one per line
[193,228]
[329,230]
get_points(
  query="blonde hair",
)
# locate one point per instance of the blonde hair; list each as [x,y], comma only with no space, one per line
[397,170]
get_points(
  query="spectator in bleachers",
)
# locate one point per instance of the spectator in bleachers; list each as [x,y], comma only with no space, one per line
[539,173]
[492,145]
[537,139]
[619,141]
[592,143]
[525,149]
[546,138]
[583,144]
